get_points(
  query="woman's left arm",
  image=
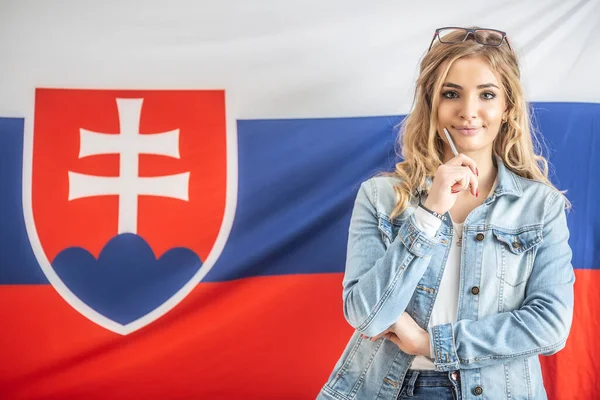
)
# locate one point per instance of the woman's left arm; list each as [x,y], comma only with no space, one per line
[540,326]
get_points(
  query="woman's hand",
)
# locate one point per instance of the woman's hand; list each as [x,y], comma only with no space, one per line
[451,178]
[408,336]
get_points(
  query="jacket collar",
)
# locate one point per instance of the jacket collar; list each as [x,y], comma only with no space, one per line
[508,181]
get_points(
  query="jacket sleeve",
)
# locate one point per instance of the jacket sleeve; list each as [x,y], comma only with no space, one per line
[540,326]
[379,282]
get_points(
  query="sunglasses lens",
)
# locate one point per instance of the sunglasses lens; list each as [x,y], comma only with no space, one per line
[489,37]
[452,35]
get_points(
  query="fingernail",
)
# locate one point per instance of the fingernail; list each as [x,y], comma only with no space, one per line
[477,170]
[477,192]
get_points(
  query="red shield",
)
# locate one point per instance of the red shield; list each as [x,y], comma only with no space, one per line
[157,165]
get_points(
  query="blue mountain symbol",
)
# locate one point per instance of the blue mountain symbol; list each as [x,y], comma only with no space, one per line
[126,282]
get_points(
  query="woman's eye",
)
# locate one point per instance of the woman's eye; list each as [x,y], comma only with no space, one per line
[451,94]
[488,95]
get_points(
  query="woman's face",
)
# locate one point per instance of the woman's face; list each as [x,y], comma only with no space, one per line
[472,105]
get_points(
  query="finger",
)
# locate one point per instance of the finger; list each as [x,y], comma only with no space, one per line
[474,185]
[462,179]
[465,161]
[375,338]
[372,339]
[391,336]
[394,339]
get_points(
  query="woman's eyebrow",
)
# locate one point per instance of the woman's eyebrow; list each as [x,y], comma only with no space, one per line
[483,86]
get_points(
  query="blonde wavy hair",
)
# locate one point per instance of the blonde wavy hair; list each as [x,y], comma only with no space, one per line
[421,146]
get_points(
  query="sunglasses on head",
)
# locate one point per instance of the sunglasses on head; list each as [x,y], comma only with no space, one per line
[484,36]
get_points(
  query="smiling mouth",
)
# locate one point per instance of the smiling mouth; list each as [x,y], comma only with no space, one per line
[468,131]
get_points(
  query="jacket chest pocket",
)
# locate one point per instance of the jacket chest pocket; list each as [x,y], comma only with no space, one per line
[387,229]
[515,252]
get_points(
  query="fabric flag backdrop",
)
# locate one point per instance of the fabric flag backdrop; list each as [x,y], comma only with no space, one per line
[177,180]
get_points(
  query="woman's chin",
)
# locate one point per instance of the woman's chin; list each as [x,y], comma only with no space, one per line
[471,146]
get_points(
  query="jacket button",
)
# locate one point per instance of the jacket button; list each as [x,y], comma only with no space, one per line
[475,290]
[478,390]
[480,237]
[517,245]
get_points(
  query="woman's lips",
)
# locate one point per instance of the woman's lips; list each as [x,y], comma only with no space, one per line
[468,131]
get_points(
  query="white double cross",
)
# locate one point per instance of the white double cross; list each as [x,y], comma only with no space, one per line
[129,144]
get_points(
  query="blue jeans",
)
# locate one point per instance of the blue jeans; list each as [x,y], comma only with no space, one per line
[426,385]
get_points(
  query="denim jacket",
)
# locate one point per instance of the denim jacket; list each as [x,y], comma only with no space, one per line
[515,250]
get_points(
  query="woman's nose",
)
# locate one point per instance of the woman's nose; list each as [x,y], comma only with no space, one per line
[468,109]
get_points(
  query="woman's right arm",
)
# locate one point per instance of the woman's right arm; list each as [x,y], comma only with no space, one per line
[379,282]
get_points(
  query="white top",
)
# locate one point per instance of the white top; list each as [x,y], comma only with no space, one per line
[445,308]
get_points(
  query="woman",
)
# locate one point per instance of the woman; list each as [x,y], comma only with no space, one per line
[458,271]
